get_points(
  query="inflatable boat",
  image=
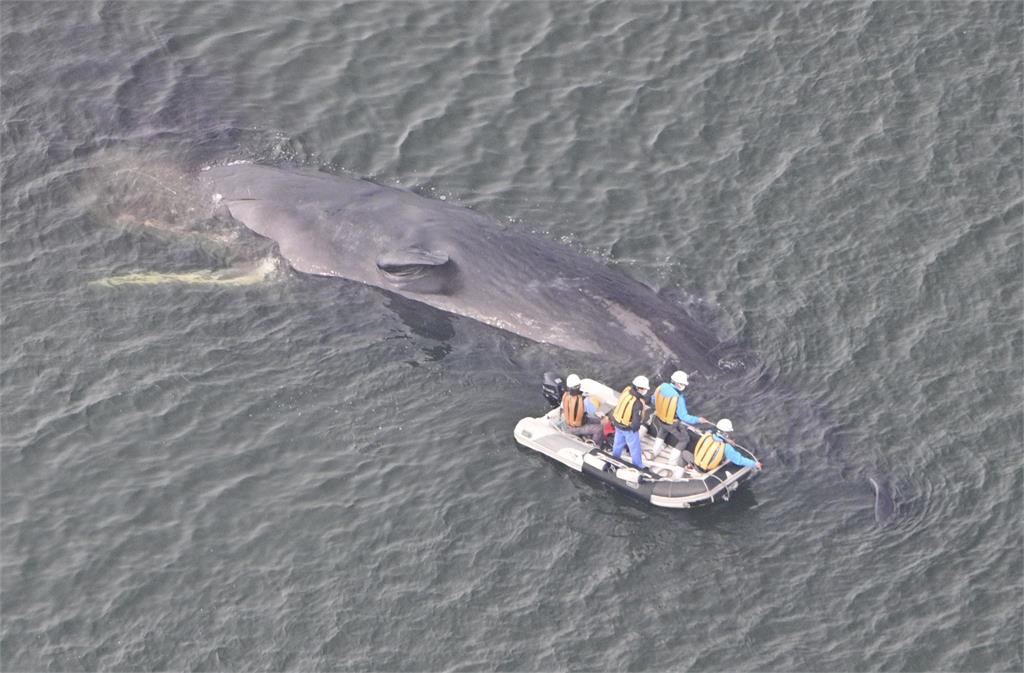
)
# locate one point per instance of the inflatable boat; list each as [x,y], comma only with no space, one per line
[667,480]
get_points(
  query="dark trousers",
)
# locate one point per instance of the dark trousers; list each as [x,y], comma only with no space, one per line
[595,431]
[673,433]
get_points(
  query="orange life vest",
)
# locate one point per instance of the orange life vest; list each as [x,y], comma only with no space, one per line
[573,410]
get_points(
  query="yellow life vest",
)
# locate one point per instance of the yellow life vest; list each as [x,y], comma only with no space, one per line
[574,410]
[708,453]
[665,406]
[623,414]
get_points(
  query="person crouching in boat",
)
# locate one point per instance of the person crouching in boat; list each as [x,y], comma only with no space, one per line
[580,413]
[627,417]
[670,412]
[715,447]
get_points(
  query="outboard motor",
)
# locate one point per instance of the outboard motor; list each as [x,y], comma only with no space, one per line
[553,388]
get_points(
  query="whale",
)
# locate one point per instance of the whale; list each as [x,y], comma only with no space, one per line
[460,261]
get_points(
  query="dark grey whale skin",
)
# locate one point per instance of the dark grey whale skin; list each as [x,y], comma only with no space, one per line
[460,261]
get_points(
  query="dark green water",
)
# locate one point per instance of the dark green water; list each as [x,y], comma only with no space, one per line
[310,474]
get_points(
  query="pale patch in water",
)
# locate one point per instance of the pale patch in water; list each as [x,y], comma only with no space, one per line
[264,270]
[731,365]
[885,505]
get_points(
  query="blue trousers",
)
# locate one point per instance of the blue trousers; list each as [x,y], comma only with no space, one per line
[631,439]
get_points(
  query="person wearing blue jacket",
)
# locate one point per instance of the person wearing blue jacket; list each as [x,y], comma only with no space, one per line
[708,459]
[670,412]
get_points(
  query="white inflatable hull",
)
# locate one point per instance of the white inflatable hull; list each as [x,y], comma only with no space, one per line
[664,483]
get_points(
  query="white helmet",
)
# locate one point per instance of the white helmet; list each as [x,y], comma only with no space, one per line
[572,381]
[641,382]
[679,378]
[725,425]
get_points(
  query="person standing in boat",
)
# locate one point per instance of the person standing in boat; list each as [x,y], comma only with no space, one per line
[582,417]
[670,412]
[714,447]
[627,417]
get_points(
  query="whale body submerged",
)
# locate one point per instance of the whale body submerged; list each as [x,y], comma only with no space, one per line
[460,261]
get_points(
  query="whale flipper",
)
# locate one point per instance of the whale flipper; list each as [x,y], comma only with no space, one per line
[237,276]
[885,506]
